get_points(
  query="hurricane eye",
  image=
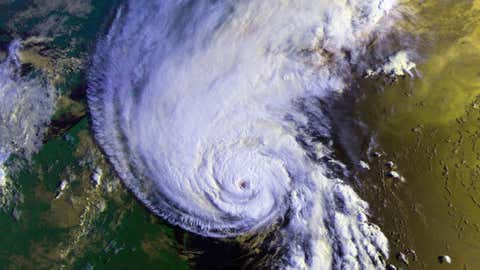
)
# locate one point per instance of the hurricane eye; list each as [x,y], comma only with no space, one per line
[243,184]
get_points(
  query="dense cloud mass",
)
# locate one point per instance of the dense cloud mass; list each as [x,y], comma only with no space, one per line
[209,112]
[26,104]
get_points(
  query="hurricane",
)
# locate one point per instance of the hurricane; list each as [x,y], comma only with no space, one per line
[212,113]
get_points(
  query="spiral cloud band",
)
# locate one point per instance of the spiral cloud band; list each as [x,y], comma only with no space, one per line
[209,112]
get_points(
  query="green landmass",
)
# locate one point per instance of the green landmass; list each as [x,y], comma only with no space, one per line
[54,214]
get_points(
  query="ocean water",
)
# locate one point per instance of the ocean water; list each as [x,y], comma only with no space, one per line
[215,114]
[428,126]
